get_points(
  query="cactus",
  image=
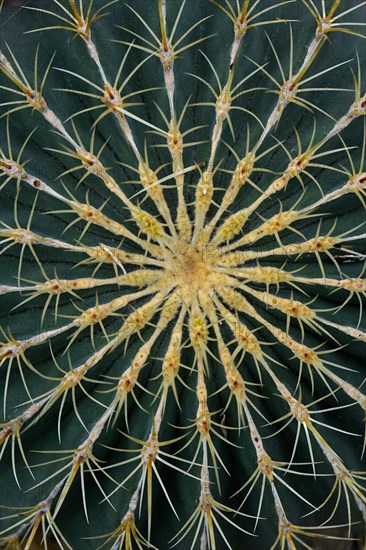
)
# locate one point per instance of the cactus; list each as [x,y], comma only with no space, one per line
[182,238]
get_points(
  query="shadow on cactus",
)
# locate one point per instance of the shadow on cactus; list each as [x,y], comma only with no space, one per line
[182,274]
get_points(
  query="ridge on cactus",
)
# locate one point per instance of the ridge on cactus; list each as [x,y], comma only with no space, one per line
[182,274]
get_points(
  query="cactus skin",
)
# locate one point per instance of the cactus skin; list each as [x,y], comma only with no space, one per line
[182,274]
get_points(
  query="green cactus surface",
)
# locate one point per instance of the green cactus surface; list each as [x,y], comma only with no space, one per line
[182,261]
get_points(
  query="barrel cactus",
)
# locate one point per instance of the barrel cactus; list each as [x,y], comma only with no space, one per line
[182,238]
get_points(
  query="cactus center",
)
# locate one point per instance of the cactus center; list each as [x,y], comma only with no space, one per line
[190,268]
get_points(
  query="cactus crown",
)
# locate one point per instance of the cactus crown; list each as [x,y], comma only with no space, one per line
[182,273]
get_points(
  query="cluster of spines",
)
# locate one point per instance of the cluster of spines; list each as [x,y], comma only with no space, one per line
[202,313]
